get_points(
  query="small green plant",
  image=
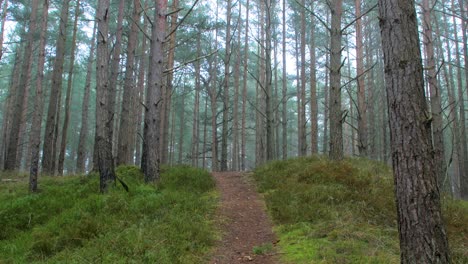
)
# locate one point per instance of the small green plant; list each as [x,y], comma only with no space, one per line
[263,249]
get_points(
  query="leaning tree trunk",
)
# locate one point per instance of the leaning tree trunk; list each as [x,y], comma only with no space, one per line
[336,116]
[49,150]
[152,133]
[104,118]
[422,233]
[81,152]
[35,134]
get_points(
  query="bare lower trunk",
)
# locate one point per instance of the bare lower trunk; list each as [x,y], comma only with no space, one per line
[421,228]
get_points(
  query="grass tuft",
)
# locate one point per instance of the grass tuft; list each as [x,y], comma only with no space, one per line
[342,212]
[70,222]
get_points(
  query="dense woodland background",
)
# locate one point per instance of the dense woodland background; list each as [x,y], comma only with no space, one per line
[244,82]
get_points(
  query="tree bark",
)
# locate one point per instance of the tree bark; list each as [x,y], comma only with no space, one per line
[127,131]
[227,60]
[362,107]
[196,108]
[35,136]
[152,133]
[104,120]
[4,13]
[421,228]
[81,153]
[11,159]
[302,94]
[244,86]
[284,113]
[336,116]
[313,90]
[49,150]
[68,99]
[235,121]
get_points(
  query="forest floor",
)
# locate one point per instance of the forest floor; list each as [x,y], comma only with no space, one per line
[247,235]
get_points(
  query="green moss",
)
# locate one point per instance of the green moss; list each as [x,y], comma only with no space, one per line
[70,222]
[342,212]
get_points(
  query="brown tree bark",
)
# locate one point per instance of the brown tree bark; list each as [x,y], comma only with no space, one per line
[35,134]
[3,19]
[435,95]
[196,108]
[104,119]
[152,133]
[11,159]
[114,74]
[68,98]
[169,79]
[214,103]
[313,89]
[49,150]
[81,152]
[362,107]
[336,115]
[302,138]
[270,140]
[421,228]
[127,130]
[244,86]
[227,60]
[284,89]
[235,121]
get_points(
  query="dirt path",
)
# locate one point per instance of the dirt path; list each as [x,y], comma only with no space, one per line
[244,221]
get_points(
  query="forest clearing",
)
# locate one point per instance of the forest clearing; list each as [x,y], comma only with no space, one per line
[292,131]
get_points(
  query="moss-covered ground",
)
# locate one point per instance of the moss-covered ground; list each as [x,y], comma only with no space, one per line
[68,221]
[328,212]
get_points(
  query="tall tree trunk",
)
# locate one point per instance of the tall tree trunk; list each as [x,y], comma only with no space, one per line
[214,103]
[235,121]
[196,108]
[313,90]
[362,108]
[114,73]
[49,150]
[127,131]
[104,113]
[151,150]
[169,80]
[302,94]
[205,129]
[336,116]
[284,100]
[3,19]
[181,126]
[227,60]
[244,86]
[435,96]
[66,121]
[421,228]
[463,140]
[35,136]
[11,161]
[270,140]
[464,178]
[81,153]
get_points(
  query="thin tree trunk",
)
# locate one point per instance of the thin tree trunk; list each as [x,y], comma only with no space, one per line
[235,122]
[35,137]
[182,126]
[196,108]
[205,129]
[284,120]
[362,107]
[214,103]
[302,94]
[68,99]
[336,116]
[127,131]
[417,194]
[244,87]
[11,161]
[114,73]
[81,153]
[104,113]
[49,150]
[227,59]
[270,140]
[313,90]
[3,20]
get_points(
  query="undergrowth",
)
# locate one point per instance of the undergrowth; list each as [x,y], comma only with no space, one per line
[342,212]
[68,221]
